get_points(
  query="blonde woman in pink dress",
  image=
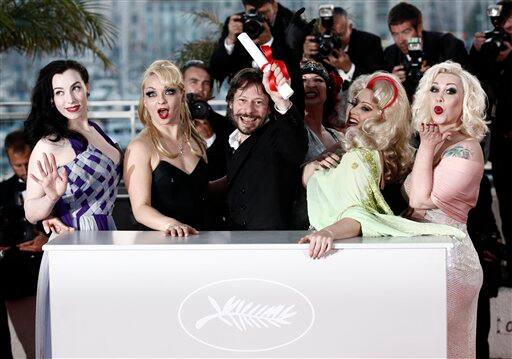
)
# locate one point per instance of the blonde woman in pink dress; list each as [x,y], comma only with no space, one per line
[448,113]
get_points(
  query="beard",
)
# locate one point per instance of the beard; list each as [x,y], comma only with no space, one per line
[237,122]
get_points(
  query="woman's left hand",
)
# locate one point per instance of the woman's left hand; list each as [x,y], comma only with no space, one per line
[320,243]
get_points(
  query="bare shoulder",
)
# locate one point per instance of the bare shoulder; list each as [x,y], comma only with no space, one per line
[468,149]
[46,145]
[140,147]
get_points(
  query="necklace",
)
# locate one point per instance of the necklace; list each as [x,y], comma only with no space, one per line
[180,149]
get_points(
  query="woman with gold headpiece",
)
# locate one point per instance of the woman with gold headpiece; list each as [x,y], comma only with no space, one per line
[346,201]
[165,165]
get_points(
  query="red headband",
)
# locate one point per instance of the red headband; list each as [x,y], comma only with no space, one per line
[372,82]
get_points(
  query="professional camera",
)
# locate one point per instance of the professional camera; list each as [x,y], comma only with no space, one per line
[200,110]
[495,38]
[327,41]
[253,23]
[414,61]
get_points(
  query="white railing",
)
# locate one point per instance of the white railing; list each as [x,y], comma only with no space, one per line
[96,110]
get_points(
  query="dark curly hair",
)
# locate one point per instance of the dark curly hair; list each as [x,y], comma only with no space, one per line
[44,120]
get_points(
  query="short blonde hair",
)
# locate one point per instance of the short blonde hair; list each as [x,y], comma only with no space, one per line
[390,136]
[473,105]
[170,76]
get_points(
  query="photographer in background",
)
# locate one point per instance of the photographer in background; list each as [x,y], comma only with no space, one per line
[341,47]
[20,251]
[415,50]
[491,61]
[213,128]
[268,23]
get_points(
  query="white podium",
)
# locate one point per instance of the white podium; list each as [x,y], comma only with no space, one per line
[245,294]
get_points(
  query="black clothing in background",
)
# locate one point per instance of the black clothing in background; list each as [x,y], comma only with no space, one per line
[223,65]
[496,79]
[264,172]
[365,52]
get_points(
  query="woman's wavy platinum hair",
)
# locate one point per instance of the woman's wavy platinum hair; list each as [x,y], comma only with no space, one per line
[170,76]
[390,133]
[473,105]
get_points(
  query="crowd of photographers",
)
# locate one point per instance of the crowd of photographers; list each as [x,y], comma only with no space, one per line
[345,53]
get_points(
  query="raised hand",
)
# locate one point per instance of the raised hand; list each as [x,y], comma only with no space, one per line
[280,79]
[52,182]
[430,136]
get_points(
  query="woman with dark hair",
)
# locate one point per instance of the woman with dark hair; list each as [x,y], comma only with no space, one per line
[74,168]
[165,165]
[321,97]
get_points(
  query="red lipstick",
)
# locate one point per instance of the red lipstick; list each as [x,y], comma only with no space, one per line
[438,110]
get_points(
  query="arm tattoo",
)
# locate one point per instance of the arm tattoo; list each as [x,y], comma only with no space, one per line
[458,151]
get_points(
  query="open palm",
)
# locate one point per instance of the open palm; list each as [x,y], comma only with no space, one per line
[52,182]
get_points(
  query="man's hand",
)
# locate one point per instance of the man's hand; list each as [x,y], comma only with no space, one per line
[235,28]
[310,47]
[340,60]
[279,101]
[35,245]
[504,54]
[478,40]
[265,36]
[399,72]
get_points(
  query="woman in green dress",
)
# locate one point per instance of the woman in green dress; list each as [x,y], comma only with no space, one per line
[346,201]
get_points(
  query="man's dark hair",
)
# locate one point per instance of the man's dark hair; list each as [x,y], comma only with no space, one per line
[257,3]
[242,80]
[16,141]
[340,11]
[506,11]
[403,12]
[195,63]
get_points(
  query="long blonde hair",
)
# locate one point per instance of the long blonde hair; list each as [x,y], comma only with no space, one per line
[389,134]
[170,76]
[473,104]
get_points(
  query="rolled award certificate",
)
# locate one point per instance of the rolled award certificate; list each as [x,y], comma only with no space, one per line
[284,90]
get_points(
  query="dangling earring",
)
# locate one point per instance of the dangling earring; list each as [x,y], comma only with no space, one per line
[88,94]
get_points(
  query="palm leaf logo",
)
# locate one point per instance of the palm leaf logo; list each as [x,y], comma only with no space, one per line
[241,314]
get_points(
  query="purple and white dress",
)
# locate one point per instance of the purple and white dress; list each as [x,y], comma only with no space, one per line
[87,204]
[92,188]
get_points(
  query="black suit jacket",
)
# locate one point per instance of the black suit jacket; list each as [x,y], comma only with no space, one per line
[18,269]
[224,65]
[365,52]
[264,172]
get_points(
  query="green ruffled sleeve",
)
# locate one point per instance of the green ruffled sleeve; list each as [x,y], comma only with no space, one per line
[351,190]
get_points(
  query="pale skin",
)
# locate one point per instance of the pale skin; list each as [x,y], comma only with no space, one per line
[320,243]
[47,181]
[438,137]
[142,158]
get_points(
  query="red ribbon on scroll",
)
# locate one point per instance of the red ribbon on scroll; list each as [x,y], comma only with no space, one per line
[267,51]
